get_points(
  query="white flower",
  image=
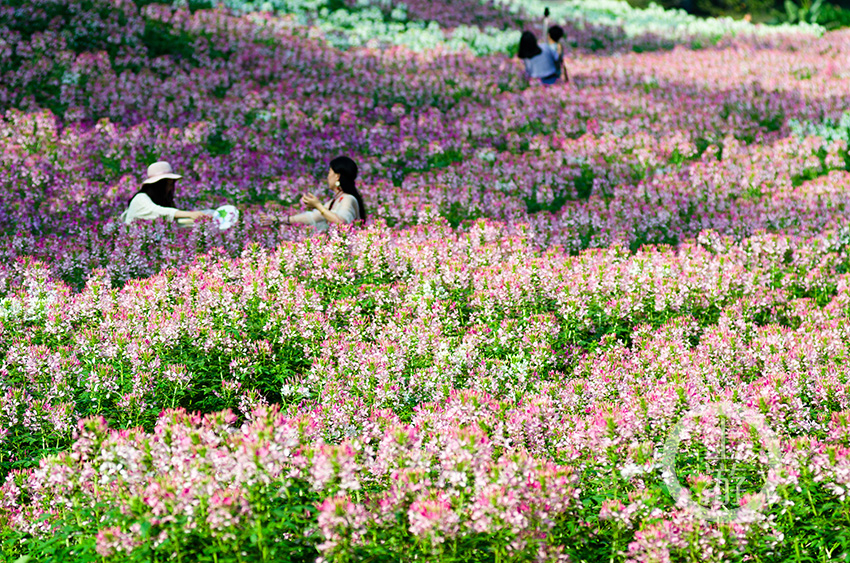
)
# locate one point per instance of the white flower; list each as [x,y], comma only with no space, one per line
[487,155]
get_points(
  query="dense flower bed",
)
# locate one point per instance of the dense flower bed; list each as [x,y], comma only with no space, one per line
[491,368]
[460,131]
[467,385]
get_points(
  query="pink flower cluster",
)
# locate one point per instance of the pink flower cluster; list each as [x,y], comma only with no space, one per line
[195,473]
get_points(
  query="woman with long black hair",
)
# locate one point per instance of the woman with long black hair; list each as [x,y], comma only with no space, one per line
[541,61]
[156,197]
[346,205]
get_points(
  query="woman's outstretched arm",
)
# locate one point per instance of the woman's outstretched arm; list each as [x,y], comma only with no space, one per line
[310,217]
[180,214]
[141,207]
[305,218]
[329,215]
[310,200]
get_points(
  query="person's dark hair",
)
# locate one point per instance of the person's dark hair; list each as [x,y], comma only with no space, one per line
[347,170]
[528,46]
[158,192]
[556,32]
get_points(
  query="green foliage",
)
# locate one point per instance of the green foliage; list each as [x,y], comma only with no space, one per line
[161,39]
[734,8]
[833,16]
[584,182]
[812,173]
[445,158]
[813,527]
[596,44]
[829,15]
[457,214]
[534,206]
[284,532]
[583,185]
[195,5]
[807,11]
[218,145]
[397,544]
[668,4]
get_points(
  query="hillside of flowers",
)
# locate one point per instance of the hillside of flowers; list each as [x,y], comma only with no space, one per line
[489,26]
[490,369]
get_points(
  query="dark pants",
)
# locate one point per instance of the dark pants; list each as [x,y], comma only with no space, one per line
[551,79]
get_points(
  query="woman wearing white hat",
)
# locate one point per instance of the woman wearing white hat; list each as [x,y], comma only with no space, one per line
[156,197]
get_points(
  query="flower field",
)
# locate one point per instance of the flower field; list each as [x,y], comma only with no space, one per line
[491,368]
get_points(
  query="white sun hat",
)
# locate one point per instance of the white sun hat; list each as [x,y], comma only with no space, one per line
[159,170]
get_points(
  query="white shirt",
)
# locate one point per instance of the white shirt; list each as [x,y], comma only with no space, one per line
[346,208]
[142,207]
[543,65]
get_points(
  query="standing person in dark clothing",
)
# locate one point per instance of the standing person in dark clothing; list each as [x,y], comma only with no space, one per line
[555,36]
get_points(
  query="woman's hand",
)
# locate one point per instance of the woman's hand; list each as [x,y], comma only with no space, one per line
[265,219]
[193,215]
[310,201]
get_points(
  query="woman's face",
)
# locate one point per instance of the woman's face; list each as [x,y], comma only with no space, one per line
[333,178]
[169,185]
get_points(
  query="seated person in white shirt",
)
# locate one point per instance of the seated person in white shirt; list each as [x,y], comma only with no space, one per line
[346,205]
[541,61]
[156,197]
